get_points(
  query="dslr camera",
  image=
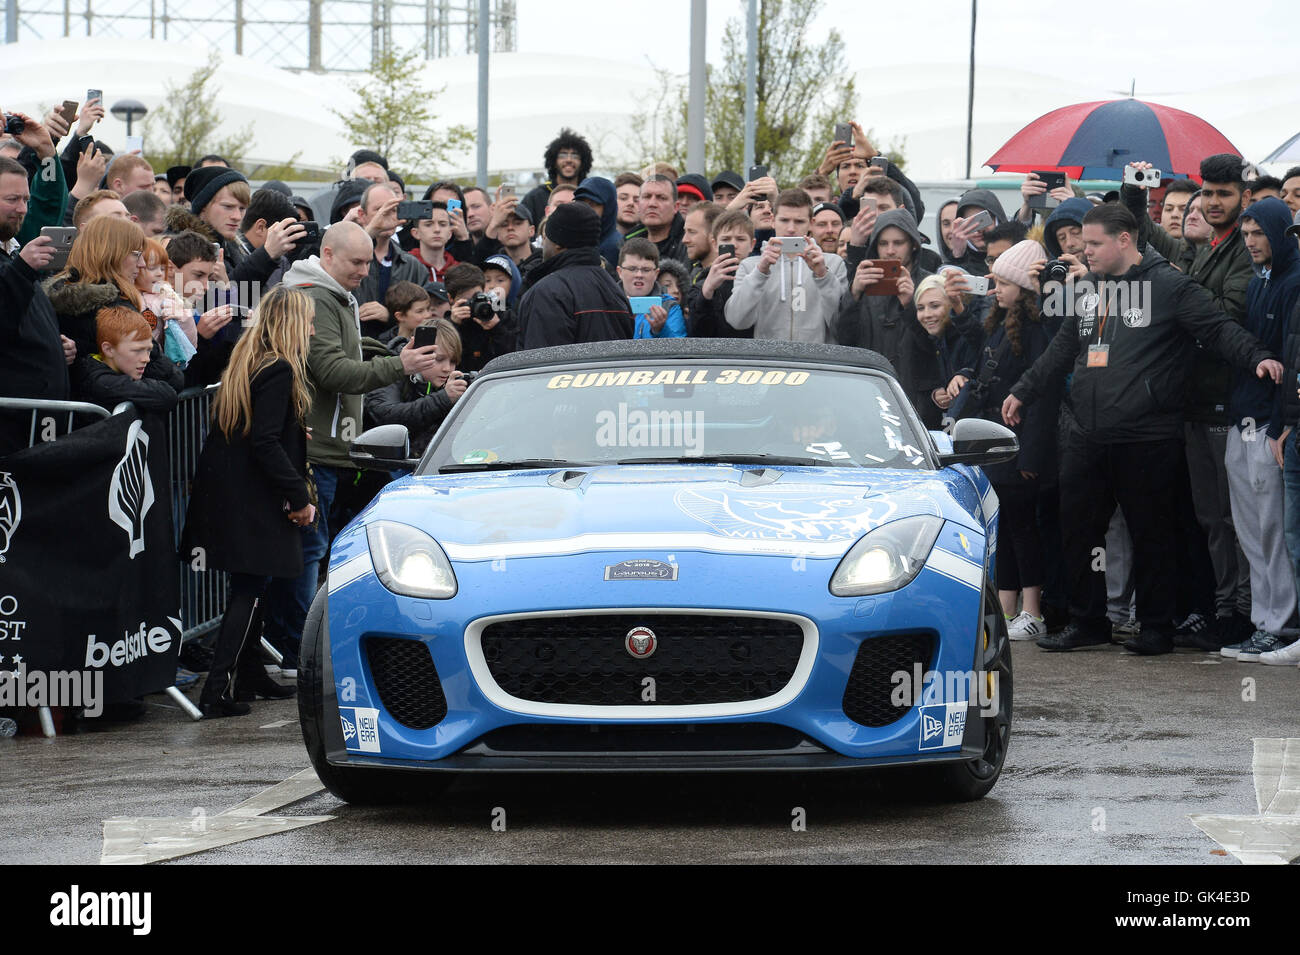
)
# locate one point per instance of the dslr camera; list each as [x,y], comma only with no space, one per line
[484,307]
[1054,271]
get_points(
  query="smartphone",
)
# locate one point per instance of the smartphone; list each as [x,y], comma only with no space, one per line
[69,111]
[727,249]
[1146,178]
[506,189]
[1054,180]
[880,162]
[643,303]
[792,244]
[415,209]
[981,221]
[84,143]
[312,227]
[979,284]
[453,206]
[62,237]
[135,144]
[757,172]
[869,200]
[95,94]
[426,335]
[888,284]
[843,133]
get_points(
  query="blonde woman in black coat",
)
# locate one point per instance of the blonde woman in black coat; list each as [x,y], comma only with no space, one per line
[250,495]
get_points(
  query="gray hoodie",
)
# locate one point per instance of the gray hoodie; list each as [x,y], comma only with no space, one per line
[789,303]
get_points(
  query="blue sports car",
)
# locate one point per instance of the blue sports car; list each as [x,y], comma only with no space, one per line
[676,555]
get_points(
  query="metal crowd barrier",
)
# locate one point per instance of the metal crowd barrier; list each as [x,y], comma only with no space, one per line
[203,593]
[200,595]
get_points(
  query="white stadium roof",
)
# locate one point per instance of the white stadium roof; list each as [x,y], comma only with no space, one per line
[533,95]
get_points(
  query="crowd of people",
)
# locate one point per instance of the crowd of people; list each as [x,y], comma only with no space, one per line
[1145,349]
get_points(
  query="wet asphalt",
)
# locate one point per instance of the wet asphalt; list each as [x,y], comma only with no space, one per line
[1109,754]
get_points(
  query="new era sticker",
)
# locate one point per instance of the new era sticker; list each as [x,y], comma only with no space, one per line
[360,728]
[943,725]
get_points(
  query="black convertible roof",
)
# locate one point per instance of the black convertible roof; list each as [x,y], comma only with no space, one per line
[658,350]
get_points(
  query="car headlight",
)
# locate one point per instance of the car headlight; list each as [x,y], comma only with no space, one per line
[886,558]
[409,561]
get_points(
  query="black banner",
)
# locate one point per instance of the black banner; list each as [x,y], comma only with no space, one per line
[87,557]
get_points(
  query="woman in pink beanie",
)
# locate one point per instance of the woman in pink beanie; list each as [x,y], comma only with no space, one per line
[1016,338]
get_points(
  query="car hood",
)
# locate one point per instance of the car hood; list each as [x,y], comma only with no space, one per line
[812,512]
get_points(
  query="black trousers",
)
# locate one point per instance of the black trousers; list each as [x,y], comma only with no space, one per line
[236,650]
[1142,478]
[1020,546]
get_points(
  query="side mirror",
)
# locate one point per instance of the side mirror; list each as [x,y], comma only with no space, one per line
[383,448]
[980,442]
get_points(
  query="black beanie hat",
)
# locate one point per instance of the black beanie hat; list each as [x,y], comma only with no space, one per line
[202,184]
[349,195]
[574,225]
[362,156]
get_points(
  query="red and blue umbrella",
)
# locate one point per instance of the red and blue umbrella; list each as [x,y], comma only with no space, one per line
[1097,140]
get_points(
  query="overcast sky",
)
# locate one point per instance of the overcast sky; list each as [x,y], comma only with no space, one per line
[1109,43]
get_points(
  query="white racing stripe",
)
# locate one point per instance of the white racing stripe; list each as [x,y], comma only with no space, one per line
[989,504]
[351,569]
[956,567]
[646,541]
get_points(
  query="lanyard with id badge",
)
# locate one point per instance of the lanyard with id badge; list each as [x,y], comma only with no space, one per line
[1099,354]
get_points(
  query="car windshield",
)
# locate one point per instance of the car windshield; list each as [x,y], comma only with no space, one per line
[706,411]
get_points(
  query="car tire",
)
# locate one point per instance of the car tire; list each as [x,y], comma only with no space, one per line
[354,785]
[972,779]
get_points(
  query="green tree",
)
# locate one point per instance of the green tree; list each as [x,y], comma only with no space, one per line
[801,94]
[184,125]
[395,117]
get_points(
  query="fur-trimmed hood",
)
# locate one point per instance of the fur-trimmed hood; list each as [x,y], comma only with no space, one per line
[77,298]
[179,219]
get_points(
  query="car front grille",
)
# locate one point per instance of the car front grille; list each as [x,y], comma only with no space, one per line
[868,697]
[581,660]
[642,739]
[407,681]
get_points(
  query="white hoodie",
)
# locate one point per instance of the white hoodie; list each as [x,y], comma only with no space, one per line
[788,303]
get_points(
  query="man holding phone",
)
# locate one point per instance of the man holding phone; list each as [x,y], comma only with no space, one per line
[879,314]
[33,355]
[978,211]
[45,204]
[377,214]
[731,239]
[1042,191]
[792,291]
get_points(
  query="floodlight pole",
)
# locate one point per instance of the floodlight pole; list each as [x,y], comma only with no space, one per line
[970,91]
[484,53]
[751,82]
[695,105]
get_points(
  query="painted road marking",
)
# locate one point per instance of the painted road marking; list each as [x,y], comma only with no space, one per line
[1273,836]
[144,839]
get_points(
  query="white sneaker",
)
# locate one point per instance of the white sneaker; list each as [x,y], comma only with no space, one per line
[1026,627]
[1129,628]
[1288,656]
